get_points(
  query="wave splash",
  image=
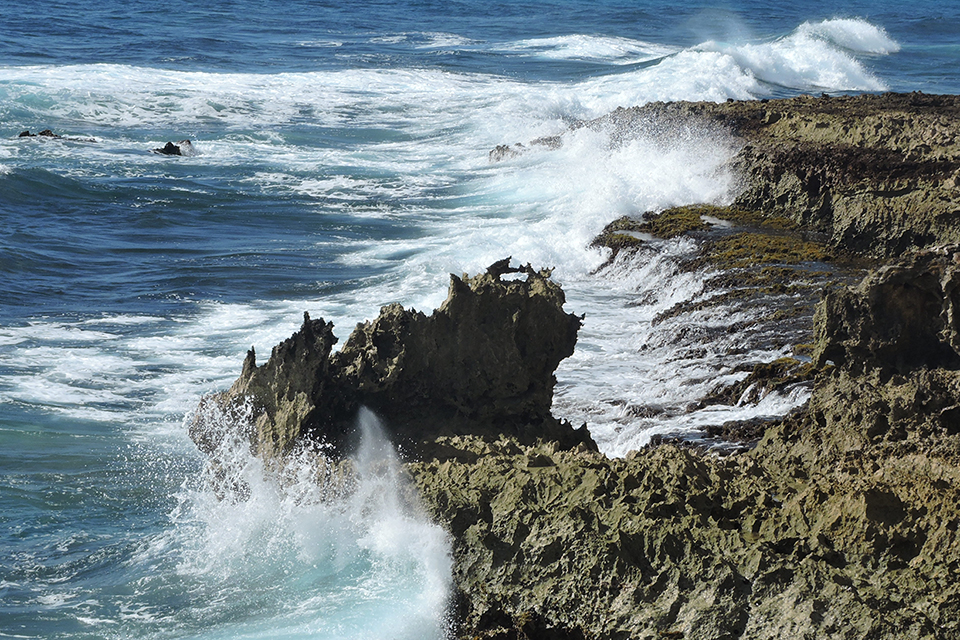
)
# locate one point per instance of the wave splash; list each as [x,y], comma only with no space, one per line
[816,56]
[314,550]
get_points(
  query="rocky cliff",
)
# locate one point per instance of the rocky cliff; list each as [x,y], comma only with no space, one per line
[842,521]
[875,174]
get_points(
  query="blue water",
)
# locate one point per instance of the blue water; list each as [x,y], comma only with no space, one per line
[341,164]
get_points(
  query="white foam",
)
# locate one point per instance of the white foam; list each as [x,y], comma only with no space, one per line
[427,174]
[816,56]
[592,48]
[854,34]
[321,43]
[293,558]
[442,40]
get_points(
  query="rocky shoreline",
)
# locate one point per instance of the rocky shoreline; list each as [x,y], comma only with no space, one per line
[842,521]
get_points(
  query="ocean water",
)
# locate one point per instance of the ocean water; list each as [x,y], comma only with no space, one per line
[341,164]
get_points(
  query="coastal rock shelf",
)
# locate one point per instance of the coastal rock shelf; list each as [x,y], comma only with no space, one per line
[841,522]
[875,174]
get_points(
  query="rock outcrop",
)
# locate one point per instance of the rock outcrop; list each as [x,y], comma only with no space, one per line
[842,522]
[903,315]
[482,364]
[876,174]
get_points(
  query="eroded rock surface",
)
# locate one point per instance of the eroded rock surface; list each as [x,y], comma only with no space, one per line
[903,315]
[876,174]
[842,523]
[481,364]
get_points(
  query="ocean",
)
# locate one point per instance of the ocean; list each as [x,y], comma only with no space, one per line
[340,163]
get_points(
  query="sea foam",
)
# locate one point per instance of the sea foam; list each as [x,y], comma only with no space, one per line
[303,553]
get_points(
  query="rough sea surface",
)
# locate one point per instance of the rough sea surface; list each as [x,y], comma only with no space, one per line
[340,164]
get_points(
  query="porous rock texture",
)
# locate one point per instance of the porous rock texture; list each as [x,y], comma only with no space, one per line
[842,523]
[481,364]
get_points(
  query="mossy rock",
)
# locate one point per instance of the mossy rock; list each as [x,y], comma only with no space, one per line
[748,249]
[617,236]
[766,377]
[751,218]
[677,221]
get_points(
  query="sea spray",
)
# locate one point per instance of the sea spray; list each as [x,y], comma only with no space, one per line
[306,548]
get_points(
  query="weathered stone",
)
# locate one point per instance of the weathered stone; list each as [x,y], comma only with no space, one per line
[481,364]
[902,316]
[841,523]
[876,174]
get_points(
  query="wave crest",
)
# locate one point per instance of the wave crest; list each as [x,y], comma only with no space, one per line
[816,56]
[853,34]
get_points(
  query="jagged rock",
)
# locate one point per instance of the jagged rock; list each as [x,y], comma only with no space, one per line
[671,543]
[902,316]
[841,523]
[482,364]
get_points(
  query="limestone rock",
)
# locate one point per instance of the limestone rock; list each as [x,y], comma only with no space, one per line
[482,363]
[876,174]
[901,316]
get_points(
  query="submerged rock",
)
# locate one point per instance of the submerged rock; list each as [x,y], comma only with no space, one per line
[48,134]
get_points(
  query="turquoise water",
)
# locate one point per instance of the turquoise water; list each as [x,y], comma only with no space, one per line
[341,164]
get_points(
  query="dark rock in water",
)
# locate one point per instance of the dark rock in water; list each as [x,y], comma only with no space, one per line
[182,148]
[168,149]
[47,133]
[506,151]
[481,364]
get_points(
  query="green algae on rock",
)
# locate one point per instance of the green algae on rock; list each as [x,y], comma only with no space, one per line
[876,174]
[750,249]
